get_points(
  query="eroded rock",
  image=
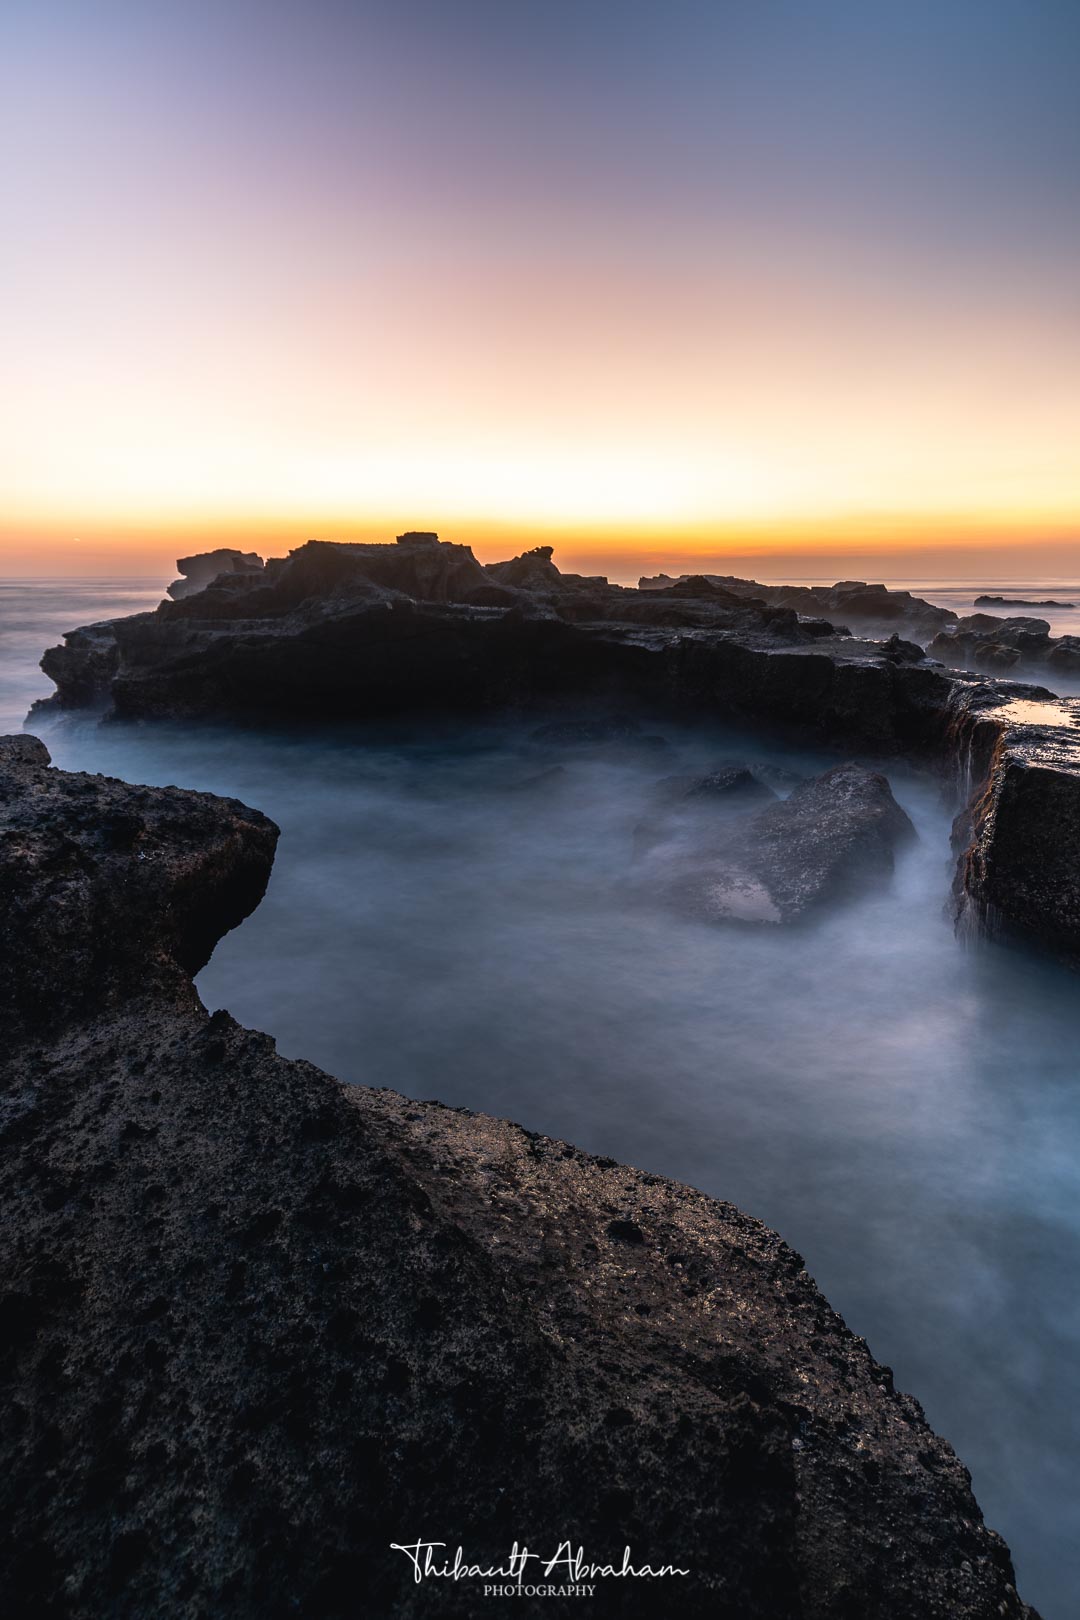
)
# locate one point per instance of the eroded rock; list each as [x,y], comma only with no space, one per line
[1018,876]
[200,571]
[874,609]
[834,838]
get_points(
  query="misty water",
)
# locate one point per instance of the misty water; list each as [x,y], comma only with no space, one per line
[904,1110]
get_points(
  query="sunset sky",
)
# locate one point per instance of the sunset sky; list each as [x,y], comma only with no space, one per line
[793,280]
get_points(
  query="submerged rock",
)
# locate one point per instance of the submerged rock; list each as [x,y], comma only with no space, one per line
[732,784]
[690,806]
[258,1325]
[834,838]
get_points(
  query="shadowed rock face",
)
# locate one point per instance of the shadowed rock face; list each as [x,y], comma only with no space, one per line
[420,628]
[365,631]
[1018,875]
[106,888]
[873,609]
[258,1325]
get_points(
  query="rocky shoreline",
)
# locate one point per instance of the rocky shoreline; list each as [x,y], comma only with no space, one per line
[260,1325]
[370,632]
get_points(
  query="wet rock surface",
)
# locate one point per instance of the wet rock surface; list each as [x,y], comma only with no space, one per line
[833,838]
[259,1325]
[1017,875]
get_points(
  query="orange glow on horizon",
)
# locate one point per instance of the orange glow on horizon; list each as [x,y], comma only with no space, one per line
[882,544]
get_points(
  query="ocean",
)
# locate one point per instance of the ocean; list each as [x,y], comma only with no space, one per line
[904,1109]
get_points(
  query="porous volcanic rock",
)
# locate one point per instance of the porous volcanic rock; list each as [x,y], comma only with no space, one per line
[106,888]
[259,1325]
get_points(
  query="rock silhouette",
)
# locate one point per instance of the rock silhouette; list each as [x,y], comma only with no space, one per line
[200,571]
[420,628]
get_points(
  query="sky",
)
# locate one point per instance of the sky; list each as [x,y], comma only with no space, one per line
[790,283]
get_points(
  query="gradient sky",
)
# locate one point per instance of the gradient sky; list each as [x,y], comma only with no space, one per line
[780,276]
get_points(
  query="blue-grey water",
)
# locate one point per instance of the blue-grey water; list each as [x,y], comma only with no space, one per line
[904,1110]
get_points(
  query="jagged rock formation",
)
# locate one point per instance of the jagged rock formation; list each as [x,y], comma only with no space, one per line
[369,631]
[875,609]
[258,1325]
[983,641]
[200,571]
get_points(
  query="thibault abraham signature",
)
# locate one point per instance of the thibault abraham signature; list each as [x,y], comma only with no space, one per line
[567,1573]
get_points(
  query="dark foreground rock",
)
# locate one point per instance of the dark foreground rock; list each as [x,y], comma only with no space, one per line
[258,1326]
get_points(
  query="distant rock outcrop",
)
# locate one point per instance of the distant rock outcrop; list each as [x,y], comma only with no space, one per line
[874,609]
[984,641]
[259,1326]
[200,571]
[1020,601]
